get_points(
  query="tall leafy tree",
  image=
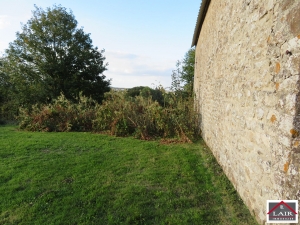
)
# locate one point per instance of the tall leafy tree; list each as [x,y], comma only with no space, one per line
[183,75]
[52,56]
[188,68]
[3,84]
[8,107]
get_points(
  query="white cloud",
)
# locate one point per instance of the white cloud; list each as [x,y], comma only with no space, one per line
[4,21]
[130,70]
[133,81]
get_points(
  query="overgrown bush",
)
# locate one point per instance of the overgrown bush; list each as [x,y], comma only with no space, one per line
[119,115]
[145,118]
[61,115]
[138,116]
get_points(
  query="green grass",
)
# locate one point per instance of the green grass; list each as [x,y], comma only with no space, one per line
[83,178]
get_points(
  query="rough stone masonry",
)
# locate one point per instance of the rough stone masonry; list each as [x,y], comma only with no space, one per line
[247,81]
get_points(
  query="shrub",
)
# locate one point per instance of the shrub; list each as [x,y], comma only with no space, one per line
[139,116]
[61,115]
[144,118]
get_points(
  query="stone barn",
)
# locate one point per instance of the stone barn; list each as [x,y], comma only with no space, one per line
[247,84]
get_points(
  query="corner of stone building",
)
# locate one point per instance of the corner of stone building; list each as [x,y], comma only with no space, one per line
[247,83]
[290,57]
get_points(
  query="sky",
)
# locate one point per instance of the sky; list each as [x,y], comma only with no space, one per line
[142,39]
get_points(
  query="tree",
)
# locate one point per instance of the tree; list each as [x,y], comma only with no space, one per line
[183,76]
[135,91]
[3,85]
[52,56]
[146,92]
[188,69]
[8,107]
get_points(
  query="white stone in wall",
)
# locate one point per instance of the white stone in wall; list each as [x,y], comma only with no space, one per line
[266,140]
[286,124]
[285,141]
[281,103]
[289,84]
[259,113]
[293,44]
[290,102]
[269,5]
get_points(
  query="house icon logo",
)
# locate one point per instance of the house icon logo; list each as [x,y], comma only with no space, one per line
[282,211]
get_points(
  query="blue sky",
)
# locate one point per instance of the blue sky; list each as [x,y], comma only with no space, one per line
[142,39]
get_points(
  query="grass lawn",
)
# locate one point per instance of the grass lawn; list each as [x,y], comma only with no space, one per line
[84,178]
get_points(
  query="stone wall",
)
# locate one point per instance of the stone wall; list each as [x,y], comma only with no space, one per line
[247,86]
